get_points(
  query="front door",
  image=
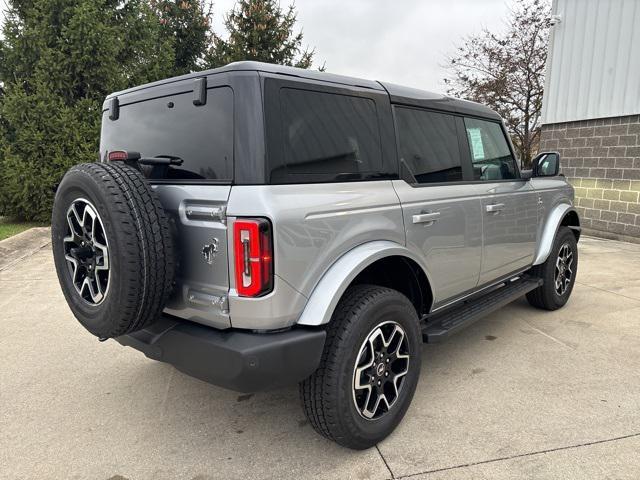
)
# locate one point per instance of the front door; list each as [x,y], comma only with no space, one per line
[442,215]
[509,204]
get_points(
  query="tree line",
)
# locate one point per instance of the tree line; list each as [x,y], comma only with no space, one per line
[60,58]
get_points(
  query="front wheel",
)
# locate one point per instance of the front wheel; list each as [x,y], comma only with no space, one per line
[369,368]
[558,273]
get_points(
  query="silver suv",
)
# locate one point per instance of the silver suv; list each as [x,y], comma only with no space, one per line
[257,226]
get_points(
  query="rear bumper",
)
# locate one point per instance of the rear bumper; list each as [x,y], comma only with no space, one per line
[238,360]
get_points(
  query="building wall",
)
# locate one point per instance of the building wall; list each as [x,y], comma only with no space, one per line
[593,67]
[601,159]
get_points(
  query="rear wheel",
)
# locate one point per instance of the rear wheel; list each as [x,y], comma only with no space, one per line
[558,273]
[369,368]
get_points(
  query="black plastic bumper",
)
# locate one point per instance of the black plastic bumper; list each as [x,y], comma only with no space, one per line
[246,362]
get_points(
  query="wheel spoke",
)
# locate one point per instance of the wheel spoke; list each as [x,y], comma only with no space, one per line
[104,256]
[370,412]
[74,264]
[398,377]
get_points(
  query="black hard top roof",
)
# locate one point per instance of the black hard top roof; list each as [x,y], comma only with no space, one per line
[397,93]
[437,101]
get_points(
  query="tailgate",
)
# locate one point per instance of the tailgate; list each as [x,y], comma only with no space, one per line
[202,277]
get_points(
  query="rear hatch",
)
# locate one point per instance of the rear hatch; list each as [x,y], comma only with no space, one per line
[193,122]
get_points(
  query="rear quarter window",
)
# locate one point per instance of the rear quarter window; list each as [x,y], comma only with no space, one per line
[327,137]
[202,136]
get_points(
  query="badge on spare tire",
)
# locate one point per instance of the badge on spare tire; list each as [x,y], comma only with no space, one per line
[112,248]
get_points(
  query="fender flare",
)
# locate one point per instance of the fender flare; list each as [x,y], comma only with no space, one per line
[550,229]
[338,277]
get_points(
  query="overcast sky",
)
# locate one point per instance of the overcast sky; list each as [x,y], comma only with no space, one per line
[401,41]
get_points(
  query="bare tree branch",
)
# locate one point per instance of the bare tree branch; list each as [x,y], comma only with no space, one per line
[506,72]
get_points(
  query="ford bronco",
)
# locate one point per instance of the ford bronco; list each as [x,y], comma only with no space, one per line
[258,225]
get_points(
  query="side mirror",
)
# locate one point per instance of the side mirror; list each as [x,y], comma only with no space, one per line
[546,164]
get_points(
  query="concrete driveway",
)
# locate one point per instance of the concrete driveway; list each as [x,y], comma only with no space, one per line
[521,394]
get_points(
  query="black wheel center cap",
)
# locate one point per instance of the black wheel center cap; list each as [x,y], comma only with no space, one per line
[380,369]
[82,253]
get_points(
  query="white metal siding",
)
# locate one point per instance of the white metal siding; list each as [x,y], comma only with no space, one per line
[593,68]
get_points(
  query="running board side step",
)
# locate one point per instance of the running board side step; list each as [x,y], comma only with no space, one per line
[438,326]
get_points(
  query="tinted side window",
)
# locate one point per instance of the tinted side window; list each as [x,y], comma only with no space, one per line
[328,136]
[428,145]
[490,154]
[201,136]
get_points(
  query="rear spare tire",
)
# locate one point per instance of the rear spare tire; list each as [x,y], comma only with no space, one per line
[112,248]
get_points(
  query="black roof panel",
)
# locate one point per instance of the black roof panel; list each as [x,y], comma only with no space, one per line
[437,101]
[248,66]
[397,93]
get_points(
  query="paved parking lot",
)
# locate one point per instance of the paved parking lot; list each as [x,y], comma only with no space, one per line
[521,394]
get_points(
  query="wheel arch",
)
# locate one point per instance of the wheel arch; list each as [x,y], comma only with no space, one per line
[562,215]
[403,271]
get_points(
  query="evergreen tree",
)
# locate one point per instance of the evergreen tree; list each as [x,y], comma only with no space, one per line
[186,23]
[260,30]
[59,59]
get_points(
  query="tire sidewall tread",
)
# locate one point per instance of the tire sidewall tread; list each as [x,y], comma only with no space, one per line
[327,394]
[141,252]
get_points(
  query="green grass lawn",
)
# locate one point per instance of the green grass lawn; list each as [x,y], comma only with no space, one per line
[9,227]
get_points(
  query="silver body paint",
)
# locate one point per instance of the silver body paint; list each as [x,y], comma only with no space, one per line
[325,234]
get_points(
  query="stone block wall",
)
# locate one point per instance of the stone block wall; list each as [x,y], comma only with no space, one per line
[601,159]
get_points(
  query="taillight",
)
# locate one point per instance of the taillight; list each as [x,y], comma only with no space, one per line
[122,156]
[117,155]
[253,248]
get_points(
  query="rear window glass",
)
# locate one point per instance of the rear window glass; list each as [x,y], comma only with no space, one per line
[328,135]
[428,144]
[202,136]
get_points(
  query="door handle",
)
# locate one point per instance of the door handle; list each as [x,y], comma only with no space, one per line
[426,217]
[495,207]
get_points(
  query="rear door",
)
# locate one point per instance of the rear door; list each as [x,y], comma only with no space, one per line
[509,204]
[442,215]
[195,193]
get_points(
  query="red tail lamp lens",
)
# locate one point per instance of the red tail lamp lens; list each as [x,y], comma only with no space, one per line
[253,249]
[118,155]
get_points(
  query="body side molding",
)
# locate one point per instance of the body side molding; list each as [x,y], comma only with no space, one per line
[338,277]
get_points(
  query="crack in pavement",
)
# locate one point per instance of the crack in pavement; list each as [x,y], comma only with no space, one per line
[520,455]
[608,291]
[550,337]
[385,462]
